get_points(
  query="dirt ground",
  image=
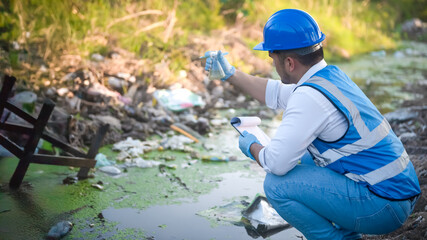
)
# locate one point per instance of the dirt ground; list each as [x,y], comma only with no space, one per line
[416,146]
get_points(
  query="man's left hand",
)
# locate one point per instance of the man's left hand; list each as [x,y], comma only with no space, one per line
[245,143]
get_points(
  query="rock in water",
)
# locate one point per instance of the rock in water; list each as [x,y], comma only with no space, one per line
[60,230]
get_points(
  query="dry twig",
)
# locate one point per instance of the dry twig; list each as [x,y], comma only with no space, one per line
[171,20]
[145,12]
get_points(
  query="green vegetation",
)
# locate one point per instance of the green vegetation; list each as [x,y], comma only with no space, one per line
[159,29]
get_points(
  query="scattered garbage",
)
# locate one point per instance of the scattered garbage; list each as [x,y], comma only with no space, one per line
[98,186]
[135,146]
[228,213]
[25,100]
[398,54]
[401,115]
[219,122]
[62,91]
[141,163]
[112,121]
[258,217]
[206,158]
[70,180]
[130,149]
[110,170]
[185,131]
[177,143]
[178,99]
[264,220]
[407,136]
[380,53]
[97,57]
[117,83]
[59,230]
[102,160]
[414,28]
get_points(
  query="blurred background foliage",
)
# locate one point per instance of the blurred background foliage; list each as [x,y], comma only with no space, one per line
[155,28]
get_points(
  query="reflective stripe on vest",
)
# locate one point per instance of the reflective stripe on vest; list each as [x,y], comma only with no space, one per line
[385,172]
[368,139]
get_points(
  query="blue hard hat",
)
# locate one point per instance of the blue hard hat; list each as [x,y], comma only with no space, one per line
[290,29]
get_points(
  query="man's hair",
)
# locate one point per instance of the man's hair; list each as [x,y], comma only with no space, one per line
[307,60]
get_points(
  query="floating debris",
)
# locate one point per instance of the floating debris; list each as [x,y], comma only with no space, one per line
[258,217]
[130,150]
[141,163]
[70,180]
[59,230]
[380,53]
[215,159]
[135,147]
[228,213]
[102,160]
[111,170]
[263,219]
[177,143]
[98,186]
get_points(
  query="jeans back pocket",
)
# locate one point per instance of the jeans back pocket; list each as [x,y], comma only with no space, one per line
[384,221]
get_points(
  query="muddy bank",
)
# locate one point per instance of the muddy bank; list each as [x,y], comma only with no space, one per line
[410,124]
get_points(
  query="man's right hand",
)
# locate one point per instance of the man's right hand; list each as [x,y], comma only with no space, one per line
[226,66]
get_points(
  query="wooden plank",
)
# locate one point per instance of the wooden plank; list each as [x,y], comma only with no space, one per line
[67,148]
[8,82]
[93,150]
[63,161]
[16,128]
[31,145]
[20,113]
[11,146]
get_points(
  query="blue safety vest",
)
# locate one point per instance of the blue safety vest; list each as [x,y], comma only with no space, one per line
[369,152]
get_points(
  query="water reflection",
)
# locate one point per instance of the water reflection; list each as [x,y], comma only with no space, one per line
[181,222]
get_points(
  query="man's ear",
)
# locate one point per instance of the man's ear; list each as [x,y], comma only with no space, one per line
[290,63]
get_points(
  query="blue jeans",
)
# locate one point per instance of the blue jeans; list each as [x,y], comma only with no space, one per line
[323,204]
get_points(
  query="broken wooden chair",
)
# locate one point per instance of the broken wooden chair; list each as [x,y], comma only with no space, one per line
[27,154]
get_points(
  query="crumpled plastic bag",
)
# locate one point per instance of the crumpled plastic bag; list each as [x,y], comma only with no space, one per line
[262,219]
[59,230]
[258,217]
[178,99]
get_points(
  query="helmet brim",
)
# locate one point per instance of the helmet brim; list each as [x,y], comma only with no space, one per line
[260,47]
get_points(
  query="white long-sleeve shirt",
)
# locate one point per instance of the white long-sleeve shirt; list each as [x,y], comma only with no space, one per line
[308,115]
